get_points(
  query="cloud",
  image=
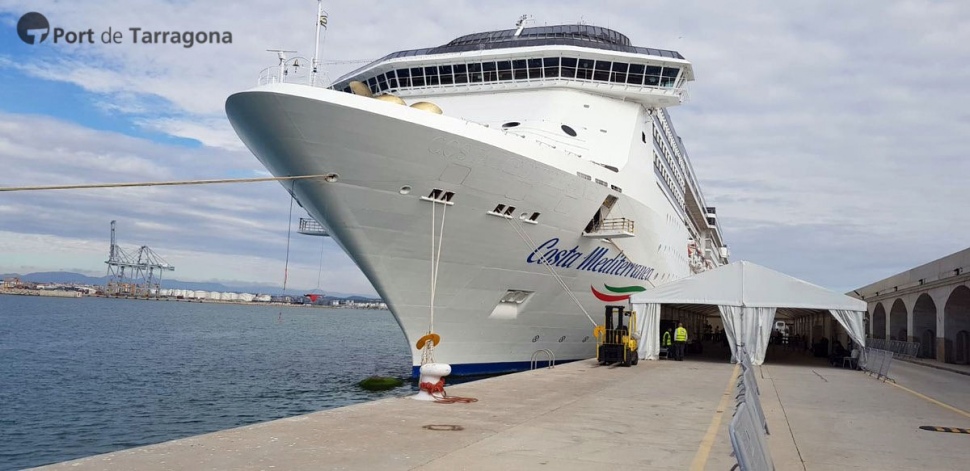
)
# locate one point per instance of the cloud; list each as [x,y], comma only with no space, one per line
[828,134]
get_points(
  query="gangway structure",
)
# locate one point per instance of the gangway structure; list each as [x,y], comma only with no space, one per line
[137,274]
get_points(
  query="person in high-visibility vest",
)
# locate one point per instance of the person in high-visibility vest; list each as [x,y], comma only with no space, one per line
[680,341]
[666,342]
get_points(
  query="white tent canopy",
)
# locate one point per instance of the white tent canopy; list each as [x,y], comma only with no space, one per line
[747,296]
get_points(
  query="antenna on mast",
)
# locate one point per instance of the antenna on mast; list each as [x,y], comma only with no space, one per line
[281,54]
[321,23]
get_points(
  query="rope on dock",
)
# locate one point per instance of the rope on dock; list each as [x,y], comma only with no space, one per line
[168,183]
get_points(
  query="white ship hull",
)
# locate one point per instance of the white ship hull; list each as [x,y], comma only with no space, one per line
[375,149]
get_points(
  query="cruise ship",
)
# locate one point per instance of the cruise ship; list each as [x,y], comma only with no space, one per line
[499,190]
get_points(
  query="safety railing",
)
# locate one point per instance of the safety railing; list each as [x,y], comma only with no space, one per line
[898,348]
[535,358]
[876,362]
[748,429]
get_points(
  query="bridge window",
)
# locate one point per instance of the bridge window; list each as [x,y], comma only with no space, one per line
[569,67]
[417,77]
[535,68]
[461,73]
[584,69]
[488,72]
[521,71]
[551,66]
[653,75]
[446,77]
[669,76]
[431,75]
[475,73]
[568,130]
[602,72]
[391,80]
[635,75]
[504,70]
[619,72]
[382,82]
[404,78]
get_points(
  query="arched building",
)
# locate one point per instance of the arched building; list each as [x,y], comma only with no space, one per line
[929,304]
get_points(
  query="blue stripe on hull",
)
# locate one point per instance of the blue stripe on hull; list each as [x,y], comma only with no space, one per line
[477,369]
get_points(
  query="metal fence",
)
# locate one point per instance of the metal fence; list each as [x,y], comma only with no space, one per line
[748,429]
[876,361]
[897,347]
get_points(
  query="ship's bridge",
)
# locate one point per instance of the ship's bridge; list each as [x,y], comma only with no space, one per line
[595,59]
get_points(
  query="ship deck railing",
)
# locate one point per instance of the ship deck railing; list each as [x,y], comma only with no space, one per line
[613,228]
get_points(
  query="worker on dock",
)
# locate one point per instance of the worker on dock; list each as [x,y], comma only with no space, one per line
[680,341]
[666,342]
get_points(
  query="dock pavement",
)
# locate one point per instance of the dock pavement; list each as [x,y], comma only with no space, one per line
[658,415]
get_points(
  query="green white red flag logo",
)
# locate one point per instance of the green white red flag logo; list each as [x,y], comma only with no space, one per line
[616,293]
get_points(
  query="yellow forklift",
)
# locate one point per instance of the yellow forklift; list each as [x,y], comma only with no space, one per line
[616,341]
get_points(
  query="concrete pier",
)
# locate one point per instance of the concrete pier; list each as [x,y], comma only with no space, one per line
[662,415]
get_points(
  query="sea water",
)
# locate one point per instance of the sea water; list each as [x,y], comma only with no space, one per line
[85,376]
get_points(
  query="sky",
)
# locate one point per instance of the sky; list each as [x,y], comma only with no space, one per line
[830,135]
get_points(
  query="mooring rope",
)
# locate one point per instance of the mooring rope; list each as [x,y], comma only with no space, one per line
[166,183]
[562,283]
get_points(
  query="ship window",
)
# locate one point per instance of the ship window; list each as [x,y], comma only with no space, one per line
[635,75]
[601,182]
[669,76]
[382,82]
[551,65]
[391,80]
[475,72]
[446,77]
[584,69]
[504,70]
[602,72]
[417,77]
[584,176]
[510,124]
[534,217]
[569,67]
[348,90]
[568,130]
[643,137]
[509,210]
[488,72]
[652,75]
[619,72]
[372,84]
[431,75]
[461,75]
[616,188]
[535,68]
[521,72]
[404,78]
[499,208]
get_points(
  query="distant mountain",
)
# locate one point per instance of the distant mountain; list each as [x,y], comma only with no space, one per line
[78,278]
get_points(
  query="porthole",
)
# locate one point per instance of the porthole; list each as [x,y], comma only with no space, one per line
[406,189]
[332,178]
[562,339]
[535,339]
[523,216]
[585,339]
[643,136]
[568,130]
[510,124]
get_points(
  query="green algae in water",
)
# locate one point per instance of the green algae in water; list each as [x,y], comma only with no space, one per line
[380,383]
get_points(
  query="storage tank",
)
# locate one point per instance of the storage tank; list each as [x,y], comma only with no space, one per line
[246,297]
[199,294]
[263,298]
